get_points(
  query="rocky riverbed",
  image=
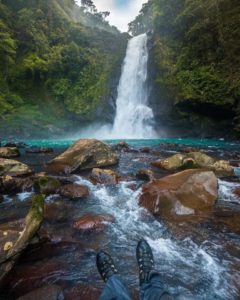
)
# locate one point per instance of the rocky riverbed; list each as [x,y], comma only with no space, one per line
[185,201]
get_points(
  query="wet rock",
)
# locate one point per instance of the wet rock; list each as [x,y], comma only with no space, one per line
[27,277]
[145,174]
[33,221]
[1,198]
[237,192]
[83,292]
[104,176]
[223,168]
[96,223]
[74,191]
[121,146]
[13,168]
[182,193]
[9,152]
[84,154]
[15,144]
[49,292]
[228,214]
[47,185]
[57,211]
[146,150]
[39,150]
[195,160]
[9,184]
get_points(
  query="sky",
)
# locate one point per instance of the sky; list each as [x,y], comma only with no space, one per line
[122,11]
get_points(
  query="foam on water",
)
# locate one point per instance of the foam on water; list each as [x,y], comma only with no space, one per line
[188,263]
[226,191]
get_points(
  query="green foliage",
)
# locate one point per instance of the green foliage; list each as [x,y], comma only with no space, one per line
[196,51]
[55,58]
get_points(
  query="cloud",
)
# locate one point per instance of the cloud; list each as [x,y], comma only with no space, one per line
[122,12]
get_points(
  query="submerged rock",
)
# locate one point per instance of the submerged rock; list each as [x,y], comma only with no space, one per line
[39,150]
[74,191]
[145,174]
[13,168]
[90,222]
[9,152]
[104,176]
[84,154]
[195,160]
[182,193]
[48,292]
[47,185]
[17,244]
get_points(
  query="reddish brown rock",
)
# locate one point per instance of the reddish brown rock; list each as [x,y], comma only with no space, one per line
[49,292]
[237,192]
[84,154]
[145,174]
[104,176]
[74,191]
[83,292]
[97,223]
[183,192]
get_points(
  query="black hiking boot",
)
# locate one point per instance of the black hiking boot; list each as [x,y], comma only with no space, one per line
[105,265]
[145,260]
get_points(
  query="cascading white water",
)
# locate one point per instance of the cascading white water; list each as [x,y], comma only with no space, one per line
[134,118]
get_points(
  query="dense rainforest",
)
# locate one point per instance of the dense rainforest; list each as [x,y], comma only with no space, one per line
[195,62]
[59,66]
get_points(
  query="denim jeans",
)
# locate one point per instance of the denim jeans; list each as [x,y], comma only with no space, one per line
[115,289]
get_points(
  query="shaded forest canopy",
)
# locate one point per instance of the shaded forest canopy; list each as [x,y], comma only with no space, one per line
[57,61]
[196,55]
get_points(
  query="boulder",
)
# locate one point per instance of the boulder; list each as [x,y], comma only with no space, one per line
[145,174]
[120,146]
[74,191]
[223,168]
[48,292]
[9,152]
[39,150]
[9,184]
[47,185]
[83,291]
[13,168]
[82,155]
[195,160]
[104,176]
[185,192]
[90,222]
[16,244]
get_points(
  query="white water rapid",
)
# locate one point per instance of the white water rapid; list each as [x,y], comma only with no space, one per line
[134,118]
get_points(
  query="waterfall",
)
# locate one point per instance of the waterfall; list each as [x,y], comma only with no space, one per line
[134,118]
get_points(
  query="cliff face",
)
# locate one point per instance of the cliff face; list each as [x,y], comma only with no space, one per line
[182,119]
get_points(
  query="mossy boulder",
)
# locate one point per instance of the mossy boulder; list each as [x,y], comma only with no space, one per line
[47,185]
[9,152]
[195,160]
[82,155]
[13,168]
[19,239]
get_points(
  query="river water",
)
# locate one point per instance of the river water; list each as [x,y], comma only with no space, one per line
[196,260]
